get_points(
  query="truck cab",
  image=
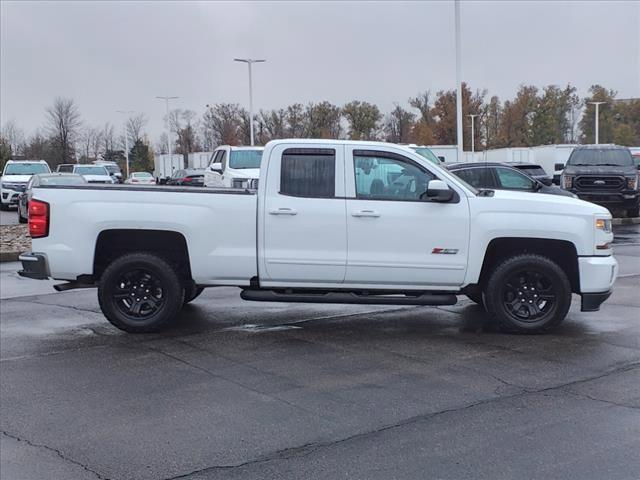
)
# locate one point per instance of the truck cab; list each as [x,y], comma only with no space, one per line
[235,167]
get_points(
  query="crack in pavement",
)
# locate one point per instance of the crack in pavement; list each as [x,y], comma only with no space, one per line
[601,400]
[56,451]
[57,305]
[220,377]
[309,448]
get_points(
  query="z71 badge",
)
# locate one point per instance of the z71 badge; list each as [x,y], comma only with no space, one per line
[445,251]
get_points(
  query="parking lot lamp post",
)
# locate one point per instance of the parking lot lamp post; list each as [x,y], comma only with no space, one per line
[473,132]
[458,82]
[126,139]
[597,113]
[166,101]
[249,62]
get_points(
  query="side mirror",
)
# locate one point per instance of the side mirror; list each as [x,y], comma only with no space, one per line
[547,181]
[437,191]
[441,158]
[216,167]
[559,166]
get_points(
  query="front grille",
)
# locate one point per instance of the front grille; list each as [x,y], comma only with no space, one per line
[600,183]
[98,181]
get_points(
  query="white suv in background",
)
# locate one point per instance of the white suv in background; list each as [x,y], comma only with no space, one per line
[14,179]
[237,167]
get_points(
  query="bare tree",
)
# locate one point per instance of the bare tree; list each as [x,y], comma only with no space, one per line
[13,137]
[63,124]
[87,138]
[399,124]
[108,138]
[222,123]
[184,126]
[135,127]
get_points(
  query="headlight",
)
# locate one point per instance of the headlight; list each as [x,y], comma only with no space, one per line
[603,224]
[632,183]
[567,181]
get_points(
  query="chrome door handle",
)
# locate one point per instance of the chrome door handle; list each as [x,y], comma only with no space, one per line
[365,213]
[283,211]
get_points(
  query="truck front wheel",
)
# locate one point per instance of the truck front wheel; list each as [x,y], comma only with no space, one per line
[140,293]
[528,294]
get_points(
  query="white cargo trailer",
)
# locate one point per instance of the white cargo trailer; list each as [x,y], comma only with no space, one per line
[199,159]
[167,163]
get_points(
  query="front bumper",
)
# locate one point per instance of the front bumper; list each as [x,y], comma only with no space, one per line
[34,265]
[591,301]
[626,198]
[597,276]
[9,196]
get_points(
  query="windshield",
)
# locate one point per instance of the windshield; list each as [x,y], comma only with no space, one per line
[428,154]
[245,158]
[618,157]
[141,174]
[25,168]
[62,180]
[91,170]
[112,168]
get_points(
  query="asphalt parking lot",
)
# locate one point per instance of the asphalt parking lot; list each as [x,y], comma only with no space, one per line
[246,390]
[9,217]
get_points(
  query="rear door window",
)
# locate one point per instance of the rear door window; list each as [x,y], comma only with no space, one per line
[476,177]
[308,172]
[513,179]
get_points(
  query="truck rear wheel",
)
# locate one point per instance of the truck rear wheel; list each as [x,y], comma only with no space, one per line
[140,293]
[528,294]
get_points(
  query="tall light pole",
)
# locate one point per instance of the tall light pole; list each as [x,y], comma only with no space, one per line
[249,62]
[166,100]
[597,104]
[473,132]
[459,136]
[126,139]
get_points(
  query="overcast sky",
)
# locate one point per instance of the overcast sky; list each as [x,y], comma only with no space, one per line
[119,55]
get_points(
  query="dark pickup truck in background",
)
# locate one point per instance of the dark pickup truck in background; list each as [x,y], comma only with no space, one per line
[603,174]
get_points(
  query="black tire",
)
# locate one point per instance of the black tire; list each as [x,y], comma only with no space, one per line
[4,207]
[155,289]
[633,212]
[528,294]
[192,292]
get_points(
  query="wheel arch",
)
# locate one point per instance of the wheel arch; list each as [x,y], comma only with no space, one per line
[170,245]
[562,252]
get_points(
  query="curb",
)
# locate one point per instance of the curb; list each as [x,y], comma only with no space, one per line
[9,256]
[626,221]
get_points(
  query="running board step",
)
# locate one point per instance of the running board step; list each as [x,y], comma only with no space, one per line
[349,297]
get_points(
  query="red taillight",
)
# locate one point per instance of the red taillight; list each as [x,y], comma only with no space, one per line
[38,219]
[133,180]
[187,180]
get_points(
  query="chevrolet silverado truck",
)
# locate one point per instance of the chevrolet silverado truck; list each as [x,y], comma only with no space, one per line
[330,222]
[604,174]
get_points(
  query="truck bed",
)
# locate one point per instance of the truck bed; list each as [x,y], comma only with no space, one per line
[218,226]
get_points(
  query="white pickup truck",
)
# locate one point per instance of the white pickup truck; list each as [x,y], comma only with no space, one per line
[331,222]
[235,167]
